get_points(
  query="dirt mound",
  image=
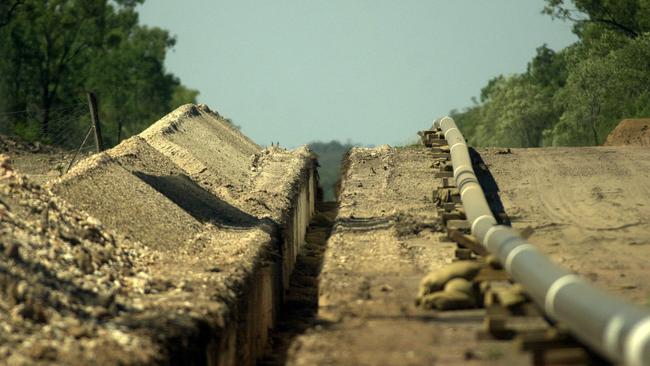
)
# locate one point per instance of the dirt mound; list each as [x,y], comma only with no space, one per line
[155,169]
[277,176]
[211,207]
[630,132]
[59,268]
[260,182]
[101,186]
[203,144]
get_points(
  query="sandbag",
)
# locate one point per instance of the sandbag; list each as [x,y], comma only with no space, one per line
[436,280]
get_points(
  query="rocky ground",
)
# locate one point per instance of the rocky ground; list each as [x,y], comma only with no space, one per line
[42,162]
[65,280]
[131,258]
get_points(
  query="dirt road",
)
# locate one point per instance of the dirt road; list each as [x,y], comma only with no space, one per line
[589,206]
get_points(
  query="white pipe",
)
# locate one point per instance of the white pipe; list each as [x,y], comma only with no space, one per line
[618,330]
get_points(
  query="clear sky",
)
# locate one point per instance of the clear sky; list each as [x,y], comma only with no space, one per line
[369,71]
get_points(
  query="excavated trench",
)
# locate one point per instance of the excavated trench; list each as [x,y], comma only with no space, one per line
[301,302]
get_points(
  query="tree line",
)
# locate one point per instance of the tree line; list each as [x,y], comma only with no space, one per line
[330,156]
[574,96]
[53,51]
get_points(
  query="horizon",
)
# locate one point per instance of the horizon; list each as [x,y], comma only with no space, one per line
[373,79]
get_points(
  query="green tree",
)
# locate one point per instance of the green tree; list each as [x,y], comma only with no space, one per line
[47,42]
[55,50]
[330,155]
[515,113]
[627,17]
[575,96]
[7,10]
[516,110]
[602,90]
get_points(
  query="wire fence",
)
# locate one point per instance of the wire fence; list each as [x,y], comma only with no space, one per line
[66,133]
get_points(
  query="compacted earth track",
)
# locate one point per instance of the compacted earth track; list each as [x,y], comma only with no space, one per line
[589,208]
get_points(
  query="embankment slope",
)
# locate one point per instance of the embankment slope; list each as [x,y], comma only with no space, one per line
[215,220]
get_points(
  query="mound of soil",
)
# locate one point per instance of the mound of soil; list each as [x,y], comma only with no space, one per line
[64,280]
[630,132]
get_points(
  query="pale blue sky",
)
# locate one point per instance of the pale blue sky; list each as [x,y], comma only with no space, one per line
[369,71]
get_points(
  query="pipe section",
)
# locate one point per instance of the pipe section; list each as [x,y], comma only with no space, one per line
[617,330]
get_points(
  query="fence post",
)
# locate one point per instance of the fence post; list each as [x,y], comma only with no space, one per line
[94,116]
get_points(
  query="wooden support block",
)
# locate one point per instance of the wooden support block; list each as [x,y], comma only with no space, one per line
[460,225]
[543,340]
[443,174]
[445,239]
[466,241]
[490,274]
[439,148]
[562,356]
[555,347]
[441,155]
[497,311]
[432,139]
[529,309]
[444,185]
[496,326]
[449,206]
[454,215]
[426,137]
[463,253]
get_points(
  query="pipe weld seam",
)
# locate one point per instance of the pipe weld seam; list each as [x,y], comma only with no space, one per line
[469,169]
[451,149]
[612,334]
[489,233]
[556,286]
[449,130]
[635,343]
[514,252]
[476,221]
[467,188]
[466,181]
